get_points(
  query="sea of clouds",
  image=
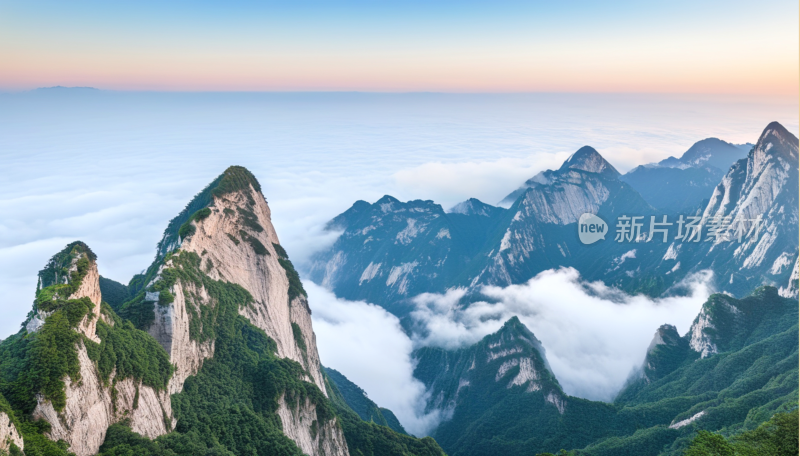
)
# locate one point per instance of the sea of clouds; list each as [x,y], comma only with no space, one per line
[594,336]
[112,169]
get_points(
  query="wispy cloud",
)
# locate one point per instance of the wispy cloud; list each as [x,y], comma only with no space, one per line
[369,347]
[594,335]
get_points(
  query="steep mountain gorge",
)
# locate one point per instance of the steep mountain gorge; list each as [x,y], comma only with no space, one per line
[367,438]
[213,353]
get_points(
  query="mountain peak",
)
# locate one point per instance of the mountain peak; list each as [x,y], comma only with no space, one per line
[233,180]
[775,141]
[70,274]
[57,270]
[713,152]
[775,125]
[514,330]
[473,206]
[665,335]
[236,178]
[588,159]
[387,199]
[776,131]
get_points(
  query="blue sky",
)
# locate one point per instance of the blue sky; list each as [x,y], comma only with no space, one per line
[617,46]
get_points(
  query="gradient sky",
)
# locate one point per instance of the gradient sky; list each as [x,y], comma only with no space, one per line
[460,46]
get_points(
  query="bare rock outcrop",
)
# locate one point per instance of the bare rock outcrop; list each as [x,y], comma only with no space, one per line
[9,434]
[220,241]
[313,436]
[171,329]
[90,409]
[89,288]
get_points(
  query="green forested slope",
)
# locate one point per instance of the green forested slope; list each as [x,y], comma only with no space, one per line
[356,398]
[753,376]
[228,408]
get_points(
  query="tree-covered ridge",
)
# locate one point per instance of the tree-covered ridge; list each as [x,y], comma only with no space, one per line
[778,436]
[370,439]
[229,406]
[502,398]
[753,376]
[295,285]
[60,268]
[357,400]
[37,363]
[235,178]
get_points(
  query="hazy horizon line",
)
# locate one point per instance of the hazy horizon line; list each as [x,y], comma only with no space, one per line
[6,91]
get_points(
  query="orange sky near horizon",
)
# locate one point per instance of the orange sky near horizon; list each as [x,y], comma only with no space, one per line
[501,54]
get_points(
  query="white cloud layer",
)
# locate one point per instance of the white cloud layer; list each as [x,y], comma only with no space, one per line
[594,335]
[366,344]
[112,168]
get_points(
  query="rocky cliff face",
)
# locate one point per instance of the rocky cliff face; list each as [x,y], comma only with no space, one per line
[230,241]
[300,424]
[791,288]
[237,243]
[539,230]
[9,434]
[171,329]
[756,201]
[92,406]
